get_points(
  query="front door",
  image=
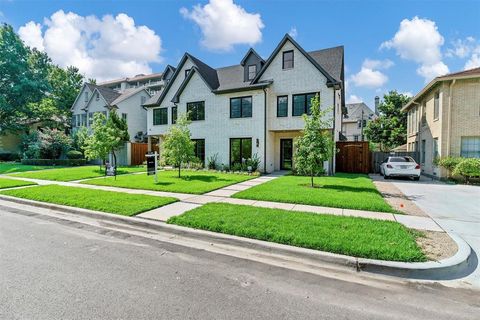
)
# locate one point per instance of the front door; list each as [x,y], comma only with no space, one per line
[286,154]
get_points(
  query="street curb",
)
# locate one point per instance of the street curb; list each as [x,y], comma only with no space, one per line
[455,267]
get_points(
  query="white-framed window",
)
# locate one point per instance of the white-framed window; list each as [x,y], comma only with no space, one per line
[436,105]
[86,96]
[252,71]
[124,116]
[470,147]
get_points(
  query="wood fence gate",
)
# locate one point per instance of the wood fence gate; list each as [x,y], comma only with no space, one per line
[353,157]
[138,151]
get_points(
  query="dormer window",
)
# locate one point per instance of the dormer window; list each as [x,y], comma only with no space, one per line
[86,96]
[252,71]
[287,60]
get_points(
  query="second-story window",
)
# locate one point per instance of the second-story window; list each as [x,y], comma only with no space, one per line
[160,116]
[196,110]
[241,107]
[97,96]
[252,71]
[302,103]
[287,62]
[124,117]
[86,96]
[282,106]
[174,115]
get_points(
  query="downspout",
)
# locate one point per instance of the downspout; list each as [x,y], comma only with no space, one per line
[265,131]
[450,115]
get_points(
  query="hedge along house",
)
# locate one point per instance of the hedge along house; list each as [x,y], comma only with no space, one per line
[444,120]
[253,108]
[128,105]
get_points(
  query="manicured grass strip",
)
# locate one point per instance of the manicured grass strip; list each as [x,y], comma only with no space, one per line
[359,237]
[76,173]
[107,201]
[348,191]
[11,167]
[10,183]
[196,182]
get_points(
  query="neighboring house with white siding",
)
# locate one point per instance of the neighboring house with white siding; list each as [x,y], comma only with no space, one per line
[355,120]
[252,108]
[444,120]
[128,105]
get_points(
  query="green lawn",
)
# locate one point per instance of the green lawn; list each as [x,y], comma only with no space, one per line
[359,237]
[76,173]
[196,182]
[106,201]
[10,167]
[348,191]
[10,183]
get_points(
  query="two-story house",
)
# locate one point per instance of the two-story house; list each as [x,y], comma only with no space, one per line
[355,120]
[444,120]
[253,108]
[128,105]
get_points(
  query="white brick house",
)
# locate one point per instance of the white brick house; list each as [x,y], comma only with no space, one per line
[251,108]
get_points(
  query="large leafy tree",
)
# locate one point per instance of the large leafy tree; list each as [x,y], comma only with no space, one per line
[315,145]
[178,147]
[389,130]
[23,80]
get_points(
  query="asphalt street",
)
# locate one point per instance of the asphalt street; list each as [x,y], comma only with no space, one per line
[53,269]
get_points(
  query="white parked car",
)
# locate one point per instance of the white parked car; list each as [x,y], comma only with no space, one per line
[400,166]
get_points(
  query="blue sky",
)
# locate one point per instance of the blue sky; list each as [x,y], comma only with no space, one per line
[388,44]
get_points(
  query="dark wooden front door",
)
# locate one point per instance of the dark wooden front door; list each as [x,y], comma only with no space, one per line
[286,154]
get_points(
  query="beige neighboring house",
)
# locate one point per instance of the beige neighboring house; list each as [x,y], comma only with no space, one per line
[357,116]
[444,120]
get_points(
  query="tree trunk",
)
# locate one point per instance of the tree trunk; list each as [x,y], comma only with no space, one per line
[311,177]
[114,158]
[179,167]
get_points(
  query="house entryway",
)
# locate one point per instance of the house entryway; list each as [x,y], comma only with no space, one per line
[286,154]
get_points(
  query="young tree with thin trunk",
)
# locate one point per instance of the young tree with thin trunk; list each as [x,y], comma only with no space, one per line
[315,145]
[178,147]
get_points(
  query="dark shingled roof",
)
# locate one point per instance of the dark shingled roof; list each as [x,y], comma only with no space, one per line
[208,73]
[331,60]
[108,94]
[470,72]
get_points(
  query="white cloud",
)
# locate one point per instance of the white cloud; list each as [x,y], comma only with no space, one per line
[419,40]
[106,48]
[369,76]
[407,93]
[31,34]
[463,48]
[293,32]
[354,99]
[473,62]
[225,24]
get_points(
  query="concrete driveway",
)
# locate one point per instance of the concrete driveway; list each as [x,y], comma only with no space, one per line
[456,208]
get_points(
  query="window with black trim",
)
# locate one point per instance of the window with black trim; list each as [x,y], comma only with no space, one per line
[196,110]
[240,150]
[160,116]
[241,107]
[282,106]
[199,149]
[302,103]
[174,115]
[252,71]
[287,62]
[187,71]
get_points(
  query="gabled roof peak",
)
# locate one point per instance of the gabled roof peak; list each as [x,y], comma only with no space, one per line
[249,52]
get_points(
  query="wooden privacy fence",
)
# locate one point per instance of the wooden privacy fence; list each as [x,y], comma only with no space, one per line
[138,151]
[378,157]
[353,157]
